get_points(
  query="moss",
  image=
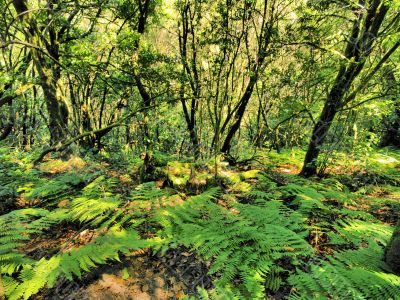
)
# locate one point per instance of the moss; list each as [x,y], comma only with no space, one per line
[178,173]
[251,174]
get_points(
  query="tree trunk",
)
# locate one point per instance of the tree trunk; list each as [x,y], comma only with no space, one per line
[186,29]
[226,147]
[190,122]
[392,134]
[392,251]
[58,113]
[318,136]
[25,125]
[9,126]
[258,66]
[358,48]
[49,72]
[10,123]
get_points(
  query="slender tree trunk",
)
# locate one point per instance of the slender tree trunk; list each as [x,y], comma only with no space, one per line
[318,136]
[226,147]
[190,122]
[10,122]
[263,40]
[33,117]
[25,125]
[186,30]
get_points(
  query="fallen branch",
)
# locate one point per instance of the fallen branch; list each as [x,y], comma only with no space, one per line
[62,146]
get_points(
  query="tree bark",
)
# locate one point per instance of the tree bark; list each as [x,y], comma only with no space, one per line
[392,251]
[318,136]
[190,122]
[10,123]
[256,67]
[49,72]
[392,134]
[226,147]
[57,109]
[186,28]
[358,48]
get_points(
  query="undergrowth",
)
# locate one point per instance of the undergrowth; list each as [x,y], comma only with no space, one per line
[261,233]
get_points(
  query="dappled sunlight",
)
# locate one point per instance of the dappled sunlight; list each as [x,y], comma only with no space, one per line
[55,166]
[207,150]
[259,226]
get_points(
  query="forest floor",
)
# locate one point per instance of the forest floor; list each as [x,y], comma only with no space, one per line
[344,215]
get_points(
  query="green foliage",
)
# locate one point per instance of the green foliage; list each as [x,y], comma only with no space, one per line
[17,227]
[46,271]
[13,175]
[145,200]
[256,242]
[357,231]
[260,196]
[50,191]
[94,210]
[102,209]
[14,232]
[216,294]
[352,275]
[306,198]
[23,277]
[181,79]
[96,204]
[243,244]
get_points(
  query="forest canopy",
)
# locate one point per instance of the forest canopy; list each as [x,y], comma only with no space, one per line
[256,141]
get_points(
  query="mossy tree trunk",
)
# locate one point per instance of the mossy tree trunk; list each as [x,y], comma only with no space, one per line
[45,54]
[392,251]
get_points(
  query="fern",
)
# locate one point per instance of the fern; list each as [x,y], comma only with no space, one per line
[243,245]
[357,231]
[52,190]
[106,210]
[16,227]
[99,187]
[334,279]
[307,199]
[274,280]
[45,272]
[350,274]
[216,294]
[94,210]
[258,196]
[265,182]
[12,176]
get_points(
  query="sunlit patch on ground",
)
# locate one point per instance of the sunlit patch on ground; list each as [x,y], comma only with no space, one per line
[55,166]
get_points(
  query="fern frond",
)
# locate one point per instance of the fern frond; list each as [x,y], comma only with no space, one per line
[93,210]
[356,231]
[15,229]
[329,280]
[46,271]
[244,244]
